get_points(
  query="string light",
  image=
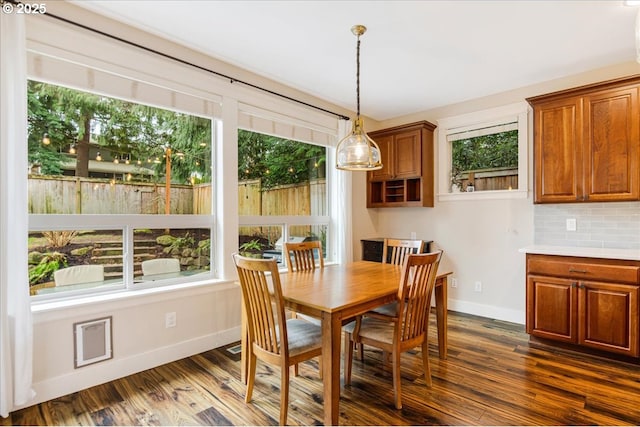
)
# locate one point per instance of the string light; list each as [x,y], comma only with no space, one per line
[98,156]
[116,160]
[45,139]
[72,149]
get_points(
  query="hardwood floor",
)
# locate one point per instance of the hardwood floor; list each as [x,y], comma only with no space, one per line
[493,376]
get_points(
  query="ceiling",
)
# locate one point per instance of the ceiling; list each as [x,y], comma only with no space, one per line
[415,56]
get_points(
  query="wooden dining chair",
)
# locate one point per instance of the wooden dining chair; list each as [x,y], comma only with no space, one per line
[408,328]
[272,338]
[394,251]
[303,255]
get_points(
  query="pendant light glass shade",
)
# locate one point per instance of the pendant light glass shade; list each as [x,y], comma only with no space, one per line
[357,151]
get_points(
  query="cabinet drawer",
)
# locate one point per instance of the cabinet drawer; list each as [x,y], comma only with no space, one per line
[583,270]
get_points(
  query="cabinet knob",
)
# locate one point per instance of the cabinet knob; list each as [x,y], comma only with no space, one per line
[574,284]
[581,286]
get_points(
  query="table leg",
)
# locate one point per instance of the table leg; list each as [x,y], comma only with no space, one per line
[441,314]
[244,360]
[331,342]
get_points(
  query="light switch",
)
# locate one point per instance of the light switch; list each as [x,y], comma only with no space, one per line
[571,224]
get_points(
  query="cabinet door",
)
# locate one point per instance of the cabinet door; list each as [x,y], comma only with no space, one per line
[558,151]
[608,317]
[551,308]
[612,145]
[407,153]
[385,143]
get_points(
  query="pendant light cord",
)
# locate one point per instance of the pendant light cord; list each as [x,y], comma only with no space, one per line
[358,77]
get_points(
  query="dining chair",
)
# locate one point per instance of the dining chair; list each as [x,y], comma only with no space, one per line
[160,266]
[394,251]
[408,328]
[303,255]
[79,274]
[271,337]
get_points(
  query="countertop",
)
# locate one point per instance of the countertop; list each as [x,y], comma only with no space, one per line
[606,253]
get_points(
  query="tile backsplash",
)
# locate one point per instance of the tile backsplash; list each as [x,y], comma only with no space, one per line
[598,225]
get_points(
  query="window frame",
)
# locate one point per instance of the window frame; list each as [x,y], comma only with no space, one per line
[517,112]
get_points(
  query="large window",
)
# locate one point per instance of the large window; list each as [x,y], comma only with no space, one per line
[282,193]
[112,185]
[484,154]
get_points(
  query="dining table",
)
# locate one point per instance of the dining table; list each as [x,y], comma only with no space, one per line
[338,293]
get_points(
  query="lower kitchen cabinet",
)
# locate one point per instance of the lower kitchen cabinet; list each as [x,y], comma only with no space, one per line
[589,302]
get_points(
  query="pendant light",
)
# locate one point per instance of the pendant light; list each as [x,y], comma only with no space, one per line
[357,151]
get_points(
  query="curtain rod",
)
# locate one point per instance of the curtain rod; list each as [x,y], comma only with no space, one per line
[182,61]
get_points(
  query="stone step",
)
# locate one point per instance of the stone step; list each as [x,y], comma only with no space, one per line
[115,251]
[118,243]
[117,259]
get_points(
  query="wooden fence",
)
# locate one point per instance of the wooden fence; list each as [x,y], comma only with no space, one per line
[73,195]
[490,179]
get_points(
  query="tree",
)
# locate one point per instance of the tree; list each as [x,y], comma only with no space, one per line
[123,128]
[278,161]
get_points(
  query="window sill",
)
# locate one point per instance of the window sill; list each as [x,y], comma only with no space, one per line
[483,195]
[44,311]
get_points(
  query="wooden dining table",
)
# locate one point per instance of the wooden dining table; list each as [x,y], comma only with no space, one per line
[337,293]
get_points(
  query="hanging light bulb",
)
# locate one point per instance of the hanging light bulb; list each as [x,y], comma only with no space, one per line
[357,151]
[45,139]
[98,156]
[72,149]
[116,159]
[127,159]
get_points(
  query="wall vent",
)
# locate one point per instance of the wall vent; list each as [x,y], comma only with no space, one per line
[92,341]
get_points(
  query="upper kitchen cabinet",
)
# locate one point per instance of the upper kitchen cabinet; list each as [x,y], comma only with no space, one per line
[587,143]
[406,177]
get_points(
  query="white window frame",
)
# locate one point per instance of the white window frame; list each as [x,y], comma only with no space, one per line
[517,112]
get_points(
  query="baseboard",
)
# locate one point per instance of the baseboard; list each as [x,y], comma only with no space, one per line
[490,311]
[113,369]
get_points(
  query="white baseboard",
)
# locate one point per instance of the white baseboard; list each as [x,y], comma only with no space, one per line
[492,312]
[113,369]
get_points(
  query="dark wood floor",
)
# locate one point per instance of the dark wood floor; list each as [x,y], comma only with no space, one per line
[493,376]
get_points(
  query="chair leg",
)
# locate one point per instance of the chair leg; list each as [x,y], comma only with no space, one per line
[396,379]
[320,367]
[284,395]
[361,350]
[251,376]
[348,357]
[295,370]
[425,362]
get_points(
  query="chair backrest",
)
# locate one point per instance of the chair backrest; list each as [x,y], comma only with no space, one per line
[160,266]
[395,251]
[79,274]
[302,256]
[266,322]
[414,294]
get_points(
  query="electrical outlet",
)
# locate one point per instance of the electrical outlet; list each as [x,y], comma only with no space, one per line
[454,282]
[170,320]
[571,224]
[478,286]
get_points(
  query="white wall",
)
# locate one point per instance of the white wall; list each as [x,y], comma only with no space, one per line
[480,238]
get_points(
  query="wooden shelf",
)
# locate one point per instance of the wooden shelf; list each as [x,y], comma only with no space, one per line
[406,178]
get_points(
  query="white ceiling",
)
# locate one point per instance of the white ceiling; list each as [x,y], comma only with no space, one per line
[416,55]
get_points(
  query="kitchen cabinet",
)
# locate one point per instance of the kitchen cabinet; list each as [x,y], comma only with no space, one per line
[406,177]
[587,143]
[589,302]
